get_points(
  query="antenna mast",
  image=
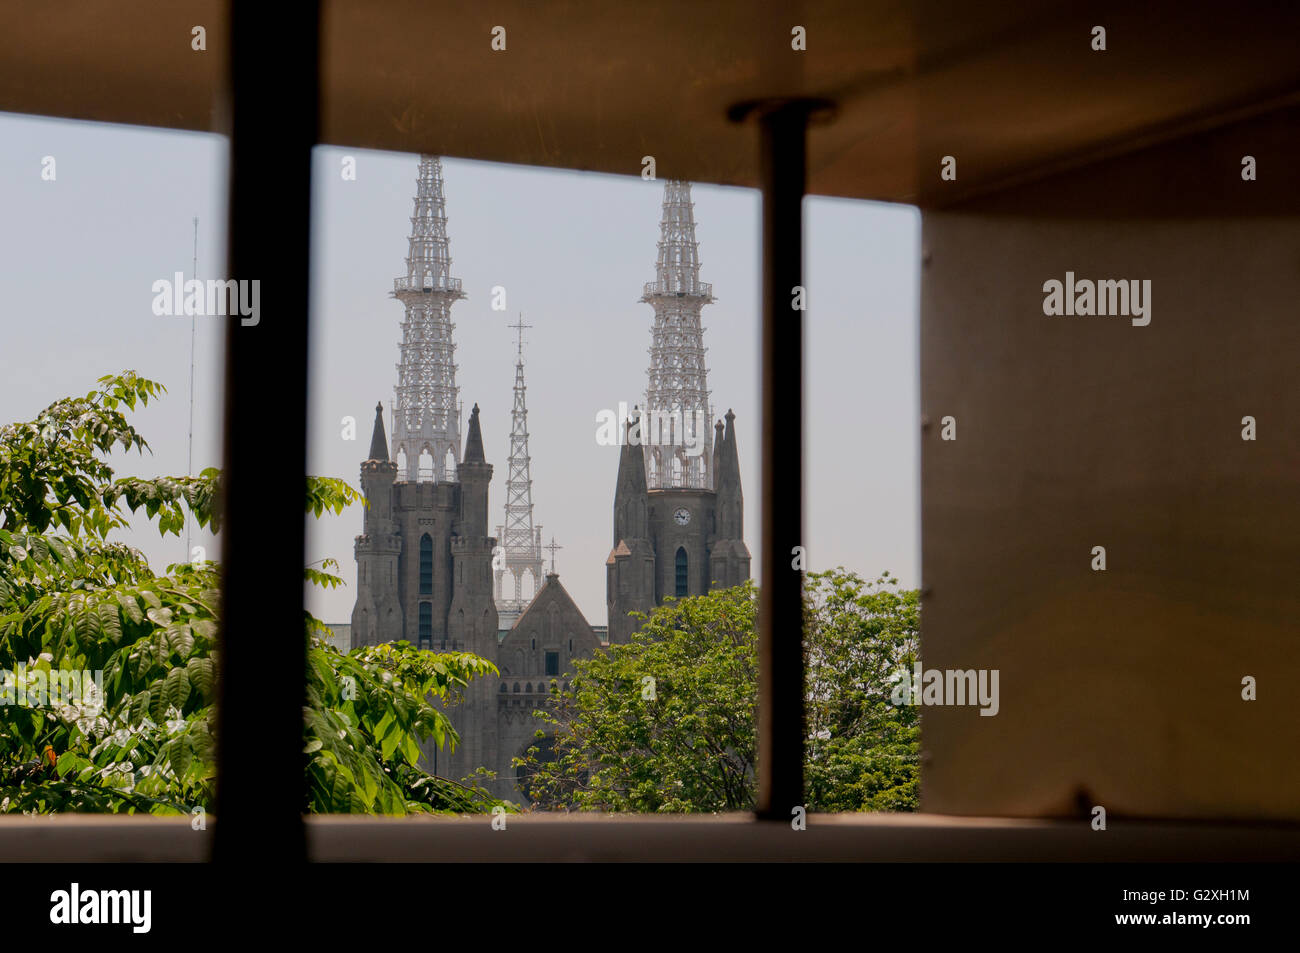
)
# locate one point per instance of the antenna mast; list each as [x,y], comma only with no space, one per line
[189,464]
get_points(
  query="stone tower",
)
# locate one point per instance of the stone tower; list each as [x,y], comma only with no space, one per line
[378,611]
[678,505]
[424,558]
[472,615]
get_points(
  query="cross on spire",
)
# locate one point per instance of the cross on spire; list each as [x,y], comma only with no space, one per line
[553,547]
[519,330]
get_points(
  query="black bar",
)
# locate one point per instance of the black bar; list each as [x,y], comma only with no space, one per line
[780,615]
[274,114]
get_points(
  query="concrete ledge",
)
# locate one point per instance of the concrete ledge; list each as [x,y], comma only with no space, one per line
[840,837]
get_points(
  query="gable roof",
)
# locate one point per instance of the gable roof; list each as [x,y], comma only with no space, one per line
[551,593]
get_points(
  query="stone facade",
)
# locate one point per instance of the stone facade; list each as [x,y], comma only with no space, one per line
[424,574]
[425,559]
[675,542]
[536,652]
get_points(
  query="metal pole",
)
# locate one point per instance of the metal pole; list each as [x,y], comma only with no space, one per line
[189,464]
[262,666]
[782,136]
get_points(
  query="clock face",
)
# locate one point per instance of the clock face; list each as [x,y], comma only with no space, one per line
[682,516]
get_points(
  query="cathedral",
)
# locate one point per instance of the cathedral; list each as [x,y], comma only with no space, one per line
[428,571]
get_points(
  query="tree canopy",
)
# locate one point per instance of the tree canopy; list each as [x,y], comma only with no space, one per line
[136,732]
[666,723]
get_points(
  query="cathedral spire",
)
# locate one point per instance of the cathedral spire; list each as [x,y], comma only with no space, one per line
[676,429]
[428,417]
[520,541]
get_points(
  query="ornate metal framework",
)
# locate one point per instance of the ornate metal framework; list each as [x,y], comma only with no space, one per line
[520,541]
[678,415]
[428,411]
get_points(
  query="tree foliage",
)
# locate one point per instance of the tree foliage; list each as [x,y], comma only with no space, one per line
[140,737]
[666,723]
[863,752]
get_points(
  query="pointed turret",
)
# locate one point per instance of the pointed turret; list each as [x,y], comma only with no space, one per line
[717,450]
[474,442]
[729,557]
[630,489]
[472,620]
[471,550]
[379,442]
[378,609]
[630,568]
[474,474]
[729,458]
[631,462]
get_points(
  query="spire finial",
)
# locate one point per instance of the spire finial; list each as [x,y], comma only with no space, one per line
[553,547]
[519,330]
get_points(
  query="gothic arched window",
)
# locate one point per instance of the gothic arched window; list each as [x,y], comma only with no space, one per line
[426,565]
[426,625]
[682,575]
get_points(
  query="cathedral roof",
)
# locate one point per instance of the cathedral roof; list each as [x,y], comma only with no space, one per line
[551,592]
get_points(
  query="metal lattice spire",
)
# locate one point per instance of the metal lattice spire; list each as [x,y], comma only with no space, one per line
[677,427]
[521,543]
[428,415]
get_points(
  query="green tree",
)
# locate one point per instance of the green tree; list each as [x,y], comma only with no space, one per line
[139,736]
[862,751]
[666,723]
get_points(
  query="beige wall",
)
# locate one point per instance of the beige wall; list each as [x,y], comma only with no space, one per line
[1119,688]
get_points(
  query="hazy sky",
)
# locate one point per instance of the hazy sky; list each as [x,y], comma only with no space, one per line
[572,250]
